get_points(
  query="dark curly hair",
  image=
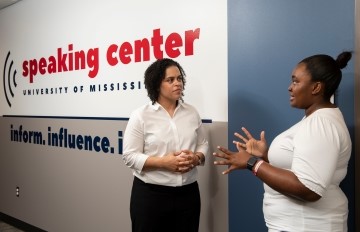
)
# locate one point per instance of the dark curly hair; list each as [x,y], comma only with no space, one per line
[155,74]
[327,70]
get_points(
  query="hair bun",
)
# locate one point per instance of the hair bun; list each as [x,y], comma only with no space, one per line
[343,59]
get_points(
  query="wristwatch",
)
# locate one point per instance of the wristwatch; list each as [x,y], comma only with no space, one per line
[251,162]
[201,161]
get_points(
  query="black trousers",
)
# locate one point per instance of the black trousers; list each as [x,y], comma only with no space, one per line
[157,208]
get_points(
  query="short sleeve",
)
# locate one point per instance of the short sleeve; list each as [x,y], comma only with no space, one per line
[316,152]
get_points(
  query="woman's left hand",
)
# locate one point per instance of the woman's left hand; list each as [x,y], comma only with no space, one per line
[189,161]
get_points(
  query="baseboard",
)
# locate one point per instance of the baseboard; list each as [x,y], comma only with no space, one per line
[19,224]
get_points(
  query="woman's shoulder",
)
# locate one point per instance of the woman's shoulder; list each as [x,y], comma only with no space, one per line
[328,114]
[143,109]
[188,106]
[326,119]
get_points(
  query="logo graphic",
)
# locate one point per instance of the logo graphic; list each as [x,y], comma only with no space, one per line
[7,75]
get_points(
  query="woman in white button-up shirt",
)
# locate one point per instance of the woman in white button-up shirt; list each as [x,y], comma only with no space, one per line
[164,142]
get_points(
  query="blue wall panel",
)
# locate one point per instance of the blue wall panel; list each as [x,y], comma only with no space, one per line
[266,40]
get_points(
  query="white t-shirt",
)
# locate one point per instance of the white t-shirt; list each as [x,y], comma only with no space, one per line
[152,132]
[317,150]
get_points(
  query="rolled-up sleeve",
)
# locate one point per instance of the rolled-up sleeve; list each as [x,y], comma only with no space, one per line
[202,142]
[133,152]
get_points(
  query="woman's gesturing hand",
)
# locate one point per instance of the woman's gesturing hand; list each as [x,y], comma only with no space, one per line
[255,147]
[234,160]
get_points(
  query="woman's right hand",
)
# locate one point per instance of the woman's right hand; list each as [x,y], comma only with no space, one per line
[177,162]
[255,147]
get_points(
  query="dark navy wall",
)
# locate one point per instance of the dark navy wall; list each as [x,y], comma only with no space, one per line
[266,40]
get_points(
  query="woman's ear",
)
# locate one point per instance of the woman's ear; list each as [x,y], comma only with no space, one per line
[317,88]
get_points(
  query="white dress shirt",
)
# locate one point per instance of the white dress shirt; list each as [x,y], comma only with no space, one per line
[151,131]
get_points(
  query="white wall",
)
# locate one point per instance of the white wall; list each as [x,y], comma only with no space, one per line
[64,189]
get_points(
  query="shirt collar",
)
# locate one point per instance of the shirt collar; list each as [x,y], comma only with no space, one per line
[156,105]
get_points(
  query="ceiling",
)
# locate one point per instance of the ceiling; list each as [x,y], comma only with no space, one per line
[5,3]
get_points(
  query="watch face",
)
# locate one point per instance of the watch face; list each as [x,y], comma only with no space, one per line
[251,162]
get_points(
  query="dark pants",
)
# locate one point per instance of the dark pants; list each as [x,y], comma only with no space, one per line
[157,208]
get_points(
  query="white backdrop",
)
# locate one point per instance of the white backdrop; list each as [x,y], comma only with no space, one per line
[77,189]
[38,34]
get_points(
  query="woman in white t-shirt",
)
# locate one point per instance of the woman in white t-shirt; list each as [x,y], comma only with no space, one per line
[304,165]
